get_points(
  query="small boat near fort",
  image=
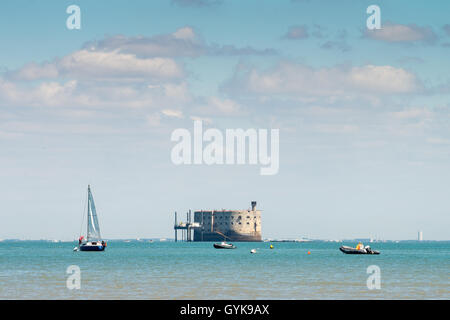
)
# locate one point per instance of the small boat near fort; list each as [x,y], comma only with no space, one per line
[93,240]
[358,250]
[224,245]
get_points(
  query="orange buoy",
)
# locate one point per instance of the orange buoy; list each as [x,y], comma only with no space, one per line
[309,252]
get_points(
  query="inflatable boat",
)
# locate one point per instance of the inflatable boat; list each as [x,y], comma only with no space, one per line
[350,250]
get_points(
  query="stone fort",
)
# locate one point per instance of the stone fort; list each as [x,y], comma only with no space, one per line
[228,225]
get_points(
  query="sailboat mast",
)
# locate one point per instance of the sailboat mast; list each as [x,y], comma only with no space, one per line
[88,212]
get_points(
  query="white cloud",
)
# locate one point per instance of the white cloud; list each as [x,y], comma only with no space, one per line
[288,78]
[226,106]
[172,113]
[86,64]
[185,33]
[25,127]
[438,141]
[91,78]
[184,42]
[412,113]
[76,93]
[34,71]
[383,79]
[218,107]
[391,32]
[46,93]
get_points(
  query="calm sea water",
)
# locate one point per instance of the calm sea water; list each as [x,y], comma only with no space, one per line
[168,270]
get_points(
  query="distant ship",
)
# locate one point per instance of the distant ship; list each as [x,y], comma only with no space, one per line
[93,241]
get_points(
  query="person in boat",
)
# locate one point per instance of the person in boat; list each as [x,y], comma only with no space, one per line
[360,246]
[80,240]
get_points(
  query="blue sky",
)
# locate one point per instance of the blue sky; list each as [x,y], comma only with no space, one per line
[363,115]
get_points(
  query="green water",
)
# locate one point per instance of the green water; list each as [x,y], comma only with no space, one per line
[168,270]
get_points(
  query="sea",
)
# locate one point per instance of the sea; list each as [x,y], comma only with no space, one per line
[195,270]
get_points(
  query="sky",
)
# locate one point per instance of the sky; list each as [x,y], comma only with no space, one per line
[363,115]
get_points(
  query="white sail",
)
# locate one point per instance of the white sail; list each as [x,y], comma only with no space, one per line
[93,229]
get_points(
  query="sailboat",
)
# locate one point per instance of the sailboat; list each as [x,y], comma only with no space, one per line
[93,241]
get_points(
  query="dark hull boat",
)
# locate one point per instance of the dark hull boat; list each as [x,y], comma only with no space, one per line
[93,246]
[224,245]
[350,250]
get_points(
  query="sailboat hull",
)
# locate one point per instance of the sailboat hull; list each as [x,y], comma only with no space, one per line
[97,248]
[92,247]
